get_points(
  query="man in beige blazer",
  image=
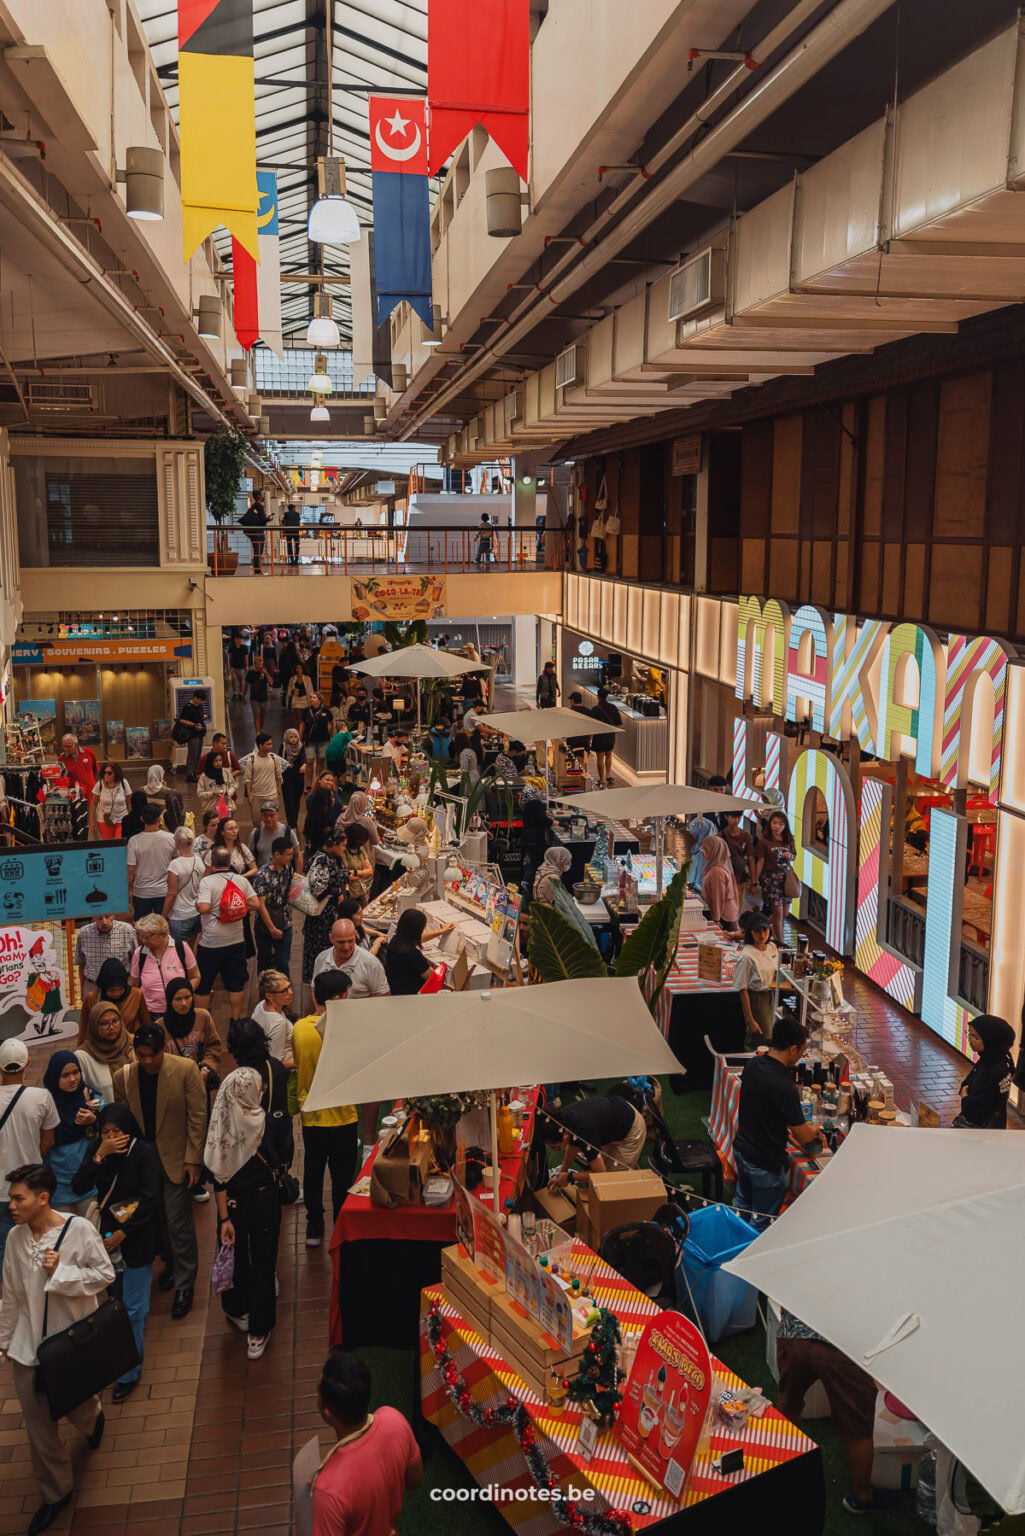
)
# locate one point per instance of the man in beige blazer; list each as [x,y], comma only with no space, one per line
[167,1097]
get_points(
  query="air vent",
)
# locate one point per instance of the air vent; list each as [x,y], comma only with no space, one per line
[699,284]
[569,367]
[512,407]
[59,397]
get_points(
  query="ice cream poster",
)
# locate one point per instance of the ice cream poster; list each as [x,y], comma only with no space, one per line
[34,996]
[665,1401]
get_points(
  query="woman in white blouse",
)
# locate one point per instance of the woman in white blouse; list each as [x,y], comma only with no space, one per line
[754,977]
[109,803]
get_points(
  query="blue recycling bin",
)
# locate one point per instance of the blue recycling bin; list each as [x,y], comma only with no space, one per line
[725,1303]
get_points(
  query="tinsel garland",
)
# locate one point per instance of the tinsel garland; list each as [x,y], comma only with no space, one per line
[514,1414]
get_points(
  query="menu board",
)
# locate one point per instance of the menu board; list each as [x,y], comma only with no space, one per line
[488,1242]
[556,1313]
[665,1401]
[522,1277]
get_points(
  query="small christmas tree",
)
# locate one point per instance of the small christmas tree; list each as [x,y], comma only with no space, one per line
[596,1387]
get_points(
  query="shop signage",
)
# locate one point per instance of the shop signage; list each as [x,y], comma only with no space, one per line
[52,881]
[27,655]
[33,987]
[400,597]
[665,1401]
[586,658]
[687,455]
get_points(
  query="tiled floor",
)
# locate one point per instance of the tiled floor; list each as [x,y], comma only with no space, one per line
[206,1443]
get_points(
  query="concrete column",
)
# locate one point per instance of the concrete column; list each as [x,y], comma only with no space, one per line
[524,495]
[524,647]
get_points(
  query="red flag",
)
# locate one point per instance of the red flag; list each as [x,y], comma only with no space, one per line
[478,71]
[247,308]
[398,135]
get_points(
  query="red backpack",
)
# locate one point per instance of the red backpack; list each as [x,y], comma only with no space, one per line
[232,906]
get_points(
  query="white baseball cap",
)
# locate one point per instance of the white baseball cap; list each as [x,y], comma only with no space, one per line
[13,1055]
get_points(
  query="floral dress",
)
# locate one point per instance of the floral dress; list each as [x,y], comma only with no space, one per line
[778,859]
[328,876]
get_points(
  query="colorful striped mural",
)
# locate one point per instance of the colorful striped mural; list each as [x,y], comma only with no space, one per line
[832,875]
[895,976]
[921,723]
[969,663]
[753,623]
[813,685]
[855,652]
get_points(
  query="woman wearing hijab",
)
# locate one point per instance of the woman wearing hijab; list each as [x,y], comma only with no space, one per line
[133,822]
[985,1089]
[104,1045]
[77,1109]
[190,1030]
[156,785]
[248,1147]
[293,777]
[217,783]
[719,884]
[124,1170]
[113,986]
[557,861]
[358,811]
[323,808]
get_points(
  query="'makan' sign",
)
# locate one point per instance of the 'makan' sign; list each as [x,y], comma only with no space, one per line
[902,693]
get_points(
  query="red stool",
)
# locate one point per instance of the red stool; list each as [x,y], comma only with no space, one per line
[984,839]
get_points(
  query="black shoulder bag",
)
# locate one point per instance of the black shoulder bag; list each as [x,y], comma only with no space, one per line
[77,1363]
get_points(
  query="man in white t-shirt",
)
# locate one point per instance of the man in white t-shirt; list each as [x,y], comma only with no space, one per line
[363,969]
[261,775]
[222,944]
[149,854]
[26,1135]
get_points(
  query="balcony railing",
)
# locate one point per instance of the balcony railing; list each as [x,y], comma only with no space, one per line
[276,551]
[905,929]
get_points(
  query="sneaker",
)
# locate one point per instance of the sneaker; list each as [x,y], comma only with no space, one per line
[200,1194]
[241,1323]
[256,1345]
[882,1500]
[314,1239]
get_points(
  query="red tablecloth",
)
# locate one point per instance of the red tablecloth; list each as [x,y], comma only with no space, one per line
[360,1220]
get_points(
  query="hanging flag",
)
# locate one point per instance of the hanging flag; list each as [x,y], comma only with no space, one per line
[371,343]
[478,71]
[402,209]
[217,121]
[258,288]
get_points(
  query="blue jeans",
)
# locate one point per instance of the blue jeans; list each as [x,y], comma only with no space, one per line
[133,1287]
[184,928]
[272,954]
[760,1192]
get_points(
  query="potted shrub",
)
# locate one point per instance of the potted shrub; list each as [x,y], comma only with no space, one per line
[224,459]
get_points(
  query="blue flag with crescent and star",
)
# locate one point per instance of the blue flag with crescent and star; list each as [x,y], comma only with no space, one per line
[402,210]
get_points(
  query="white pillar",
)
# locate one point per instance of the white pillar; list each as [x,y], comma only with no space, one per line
[524,650]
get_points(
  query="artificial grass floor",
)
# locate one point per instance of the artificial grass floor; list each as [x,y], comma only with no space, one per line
[395,1381]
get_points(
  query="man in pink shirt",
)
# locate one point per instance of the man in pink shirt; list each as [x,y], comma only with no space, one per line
[362,1482]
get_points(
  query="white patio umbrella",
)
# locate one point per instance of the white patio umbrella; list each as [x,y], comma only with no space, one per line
[545,725]
[417,661]
[637,803]
[907,1253]
[452,1042]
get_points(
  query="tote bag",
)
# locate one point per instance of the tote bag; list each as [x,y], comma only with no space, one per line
[77,1363]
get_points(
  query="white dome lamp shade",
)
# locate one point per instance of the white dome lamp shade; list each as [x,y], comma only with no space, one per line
[320,413]
[320,382]
[322,330]
[333,220]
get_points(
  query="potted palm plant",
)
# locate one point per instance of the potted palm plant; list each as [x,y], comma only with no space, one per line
[224,459]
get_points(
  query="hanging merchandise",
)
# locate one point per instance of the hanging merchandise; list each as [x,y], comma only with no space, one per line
[258,284]
[402,212]
[478,71]
[217,121]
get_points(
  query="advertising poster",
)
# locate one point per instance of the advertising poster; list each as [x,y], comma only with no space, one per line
[556,1313]
[116,740]
[137,741]
[399,597]
[488,1242]
[82,719]
[41,712]
[48,882]
[162,738]
[34,994]
[665,1401]
[522,1277]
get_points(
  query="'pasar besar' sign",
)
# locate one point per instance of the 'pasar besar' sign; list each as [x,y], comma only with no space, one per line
[897,688]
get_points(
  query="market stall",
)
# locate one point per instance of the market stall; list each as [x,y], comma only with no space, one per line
[636,688]
[697,1001]
[481,913]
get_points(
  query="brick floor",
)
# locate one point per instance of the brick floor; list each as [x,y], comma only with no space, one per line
[206,1443]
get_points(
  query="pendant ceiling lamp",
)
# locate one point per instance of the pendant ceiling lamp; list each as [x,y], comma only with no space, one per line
[320,382]
[322,330]
[333,220]
[320,413]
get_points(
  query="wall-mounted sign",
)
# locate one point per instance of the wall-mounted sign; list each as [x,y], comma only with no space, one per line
[400,597]
[586,658]
[28,655]
[53,881]
[33,988]
[687,455]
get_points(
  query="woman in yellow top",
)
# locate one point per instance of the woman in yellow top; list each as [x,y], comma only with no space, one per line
[330,1136]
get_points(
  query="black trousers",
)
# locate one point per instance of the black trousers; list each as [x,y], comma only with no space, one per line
[256,1218]
[327,1147]
[292,792]
[292,546]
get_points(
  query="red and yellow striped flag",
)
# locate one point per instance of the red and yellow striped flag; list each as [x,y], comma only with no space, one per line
[217,121]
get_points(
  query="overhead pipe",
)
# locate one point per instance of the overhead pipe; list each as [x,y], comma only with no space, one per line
[847,20]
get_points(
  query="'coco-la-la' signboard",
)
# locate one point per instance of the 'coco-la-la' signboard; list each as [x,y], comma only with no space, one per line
[900,692]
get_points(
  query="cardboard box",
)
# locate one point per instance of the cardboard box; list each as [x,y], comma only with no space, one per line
[561,1205]
[711,958]
[899,1448]
[617,1199]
